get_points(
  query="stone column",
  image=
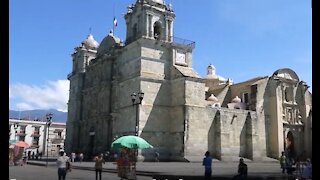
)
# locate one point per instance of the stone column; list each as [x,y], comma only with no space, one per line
[170,31]
[149,26]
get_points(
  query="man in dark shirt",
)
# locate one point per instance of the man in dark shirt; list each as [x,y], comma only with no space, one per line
[207,163]
[242,170]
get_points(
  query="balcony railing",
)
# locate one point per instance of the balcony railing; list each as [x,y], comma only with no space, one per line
[184,42]
[174,40]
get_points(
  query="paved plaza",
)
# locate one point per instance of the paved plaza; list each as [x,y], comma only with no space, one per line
[160,170]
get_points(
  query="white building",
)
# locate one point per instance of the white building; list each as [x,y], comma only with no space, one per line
[35,133]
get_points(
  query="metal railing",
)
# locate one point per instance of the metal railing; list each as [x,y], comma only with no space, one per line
[185,42]
[174,40]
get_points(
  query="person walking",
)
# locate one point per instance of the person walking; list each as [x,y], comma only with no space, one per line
[156,156]
[282,160]
[307,170]
[207,163]
[81,157]
[40,155]
[98,165]
[29,155]
[62,163]
[106,156]
[73,157]
[33,155]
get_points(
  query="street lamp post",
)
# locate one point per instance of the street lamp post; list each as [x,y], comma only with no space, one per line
[137,100]
[49,121]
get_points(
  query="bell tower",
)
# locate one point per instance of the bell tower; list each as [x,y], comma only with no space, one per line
[151,19]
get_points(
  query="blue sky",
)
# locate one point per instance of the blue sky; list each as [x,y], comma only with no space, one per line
[241,38]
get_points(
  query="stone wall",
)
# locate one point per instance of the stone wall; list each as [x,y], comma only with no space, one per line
[227,134]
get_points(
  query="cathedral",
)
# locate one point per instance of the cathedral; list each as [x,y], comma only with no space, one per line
[146,86]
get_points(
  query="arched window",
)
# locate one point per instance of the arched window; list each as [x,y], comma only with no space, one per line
[289,94]
[157,30]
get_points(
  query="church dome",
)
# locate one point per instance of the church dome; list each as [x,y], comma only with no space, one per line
[212,98]
[286,73]
[90,42]
[108,43]
[236,100]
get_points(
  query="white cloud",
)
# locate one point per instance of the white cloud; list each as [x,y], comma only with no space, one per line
[53,95]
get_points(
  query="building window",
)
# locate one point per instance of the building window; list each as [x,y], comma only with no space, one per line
[157,30]
[36,130]
[245,98]
[288,94]
[59,134]
[35,141]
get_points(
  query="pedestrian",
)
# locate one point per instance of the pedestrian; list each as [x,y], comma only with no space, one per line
[33,154]
[282,160]
[290,155]
[81,157]
[107,156]
[156,156]
[73,157]
[98,165]
[242,170]
[37,154]
[115,156]
[29,155]
[207,163]
[307,170]
[120,161]
[24,160]
[40,155]
[62,165]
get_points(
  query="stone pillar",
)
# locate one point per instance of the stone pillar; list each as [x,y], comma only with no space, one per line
[225,138]
[149,26]
[170,31]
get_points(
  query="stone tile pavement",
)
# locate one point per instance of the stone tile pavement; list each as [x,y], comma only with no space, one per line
[191,170]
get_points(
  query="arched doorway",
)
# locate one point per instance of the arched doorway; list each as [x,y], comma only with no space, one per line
[289,145]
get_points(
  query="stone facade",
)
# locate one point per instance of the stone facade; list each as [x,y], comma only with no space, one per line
[176,116]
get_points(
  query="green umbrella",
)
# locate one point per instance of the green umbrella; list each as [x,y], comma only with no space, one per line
[132,142]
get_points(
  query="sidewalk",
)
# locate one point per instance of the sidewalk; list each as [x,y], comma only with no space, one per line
[188,171]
